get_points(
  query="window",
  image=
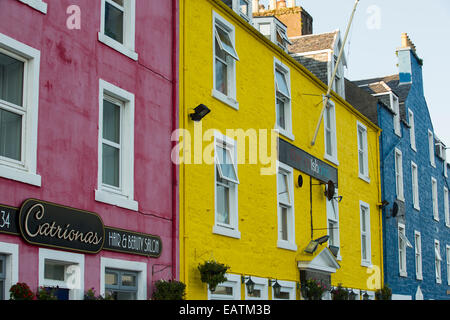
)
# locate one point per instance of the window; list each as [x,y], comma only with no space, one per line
[228,290]
[365,234]
[396,108]
[36,4]
[64,270]
[437,260]
[399,175]
[121,284]
[363,152]
[418,254]
[2,276]
[412,134]
[117,28]
[448,264]
[330,133]
[283,99]
[116,147]
[286,217]
[446,207]
[225,57]
[273,29]
[261,291]
[431,148]
[287,290]
[226,187]
[435,199]
[241,7]
[19,101]
[123,279]
[9,268]
[339,85]
[332,207]
[415,185]
[403,242]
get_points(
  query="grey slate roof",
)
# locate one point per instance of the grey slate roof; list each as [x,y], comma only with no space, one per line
[313,42]
[361,100]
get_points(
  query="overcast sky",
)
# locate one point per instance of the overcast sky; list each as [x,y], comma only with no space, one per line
[376,33]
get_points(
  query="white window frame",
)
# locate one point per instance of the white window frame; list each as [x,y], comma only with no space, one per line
[431,148]
[74,273]
[438,261]
[333,157]
[230,98]
[403,243]
[11,251]
[446,207]
[368,261]
[135,266]
[415,185]
[25,170]
[418,254]
[260,284]
[39,5]
[412,130]
[395,104]
[398,166]
[447,250]
[284,69]
[332,207]
[236,7]
[339,79]
[234,282]
[361,129]
[232,229]
[124,196]
[286,286]
[129,26]
[290,243]
[434,196]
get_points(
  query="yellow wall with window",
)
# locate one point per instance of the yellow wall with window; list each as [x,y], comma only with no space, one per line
[255,252]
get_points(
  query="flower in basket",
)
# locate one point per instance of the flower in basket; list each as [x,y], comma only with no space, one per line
[212,273]
[313,289]
[339,293]
[46,293]
[21,291]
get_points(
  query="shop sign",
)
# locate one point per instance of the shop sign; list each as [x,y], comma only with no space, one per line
[52,225]
[132,242]
[303,161]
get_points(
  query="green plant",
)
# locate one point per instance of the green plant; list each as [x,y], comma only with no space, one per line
[213,273]
[21,291]
[384,293]
[313,289]
[169,290]
[90,295]
[45,293]
[339,293]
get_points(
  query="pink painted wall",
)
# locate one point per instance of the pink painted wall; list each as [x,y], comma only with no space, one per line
[72,62]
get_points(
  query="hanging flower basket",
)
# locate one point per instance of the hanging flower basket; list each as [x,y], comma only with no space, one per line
[169,290]
[339,293]
[313,289]
[21,291]
[384,293]
[213,273]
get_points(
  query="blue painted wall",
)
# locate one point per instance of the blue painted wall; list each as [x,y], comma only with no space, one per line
[422,221]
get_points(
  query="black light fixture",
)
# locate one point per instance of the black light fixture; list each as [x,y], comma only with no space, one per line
[365,296]
[352,295]
[323,239]
[276,287]
[199,112]
[300,181]
[330,190]
[383,204]
[249,284]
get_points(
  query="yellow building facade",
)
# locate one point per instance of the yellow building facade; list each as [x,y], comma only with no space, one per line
[251,201]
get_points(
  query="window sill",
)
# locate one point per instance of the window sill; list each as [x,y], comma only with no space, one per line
[116,200]
[282,244]
[225,99]
[417,208]
[20,175]
[117,46]
[232,233]
[39,5]
[285,133]
[333,160]
[367,264]
[365,178]
[419,278]
[402,199]
[403,274]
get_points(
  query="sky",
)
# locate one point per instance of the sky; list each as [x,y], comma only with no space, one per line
[376,34]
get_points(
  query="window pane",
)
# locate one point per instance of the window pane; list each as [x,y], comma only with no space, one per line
[244,7]
[363,219]
[255,294]
[283,191]
[111,279]
[281,119]
[222,290]
[282,85]
[111,165]
[11,79]
[328,147]
[361,162]
[363,247]
[226,164]
[113,22]
[221,76]
[54,271]
[2,289]
[225,41]
[229,3]
[128,280]
[10,135]
[119,2]
[111,122]
[223,210]
[264,28]
[284,223]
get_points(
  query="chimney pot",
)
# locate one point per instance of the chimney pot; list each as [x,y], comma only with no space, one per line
[290,3]
[281,4]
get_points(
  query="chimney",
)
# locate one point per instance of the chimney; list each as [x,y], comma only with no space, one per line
[281,4]
[409,64]
[255,6]
[272,4]
[290,3]
[406,42]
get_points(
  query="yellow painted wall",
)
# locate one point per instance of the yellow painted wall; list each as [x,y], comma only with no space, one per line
[256,252]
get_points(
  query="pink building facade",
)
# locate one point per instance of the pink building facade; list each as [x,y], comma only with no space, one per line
[88,102]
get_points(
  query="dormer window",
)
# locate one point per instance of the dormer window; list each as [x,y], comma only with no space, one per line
[395,107]
[241,7]
[273,29]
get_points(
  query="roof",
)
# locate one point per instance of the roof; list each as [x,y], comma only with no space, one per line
[313,42]
[361,100]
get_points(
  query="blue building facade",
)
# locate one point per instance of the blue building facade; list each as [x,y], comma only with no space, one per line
[415,184]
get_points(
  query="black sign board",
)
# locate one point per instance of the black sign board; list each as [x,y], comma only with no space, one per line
[132,242]
[52,225]
[9,220]
[303,161]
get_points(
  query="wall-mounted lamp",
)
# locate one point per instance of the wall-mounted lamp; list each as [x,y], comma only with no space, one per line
[199,112]
[276,287]
[300,181]
[365,296]
[330,190]
[249,284]
[383,204]
[394,211]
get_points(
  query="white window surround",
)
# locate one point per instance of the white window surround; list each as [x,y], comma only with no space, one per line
[332,157]
[39,5]
[412,133]
[286,286]
[229,99]
[129,25]
[11,251]
[284,69]
[434,196]
[75,275]
[236,6]
[362,129]
[395,106]
[367,233]
[447,250]
[139,267]
[234,282]
[332,207]
[125,196]
[403,243]
[446,207]
[438,261]
[398,165]
[431,148]
[290,243]
[418,253]
[231,230]
[261,284]
[26,171]
[415,185]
